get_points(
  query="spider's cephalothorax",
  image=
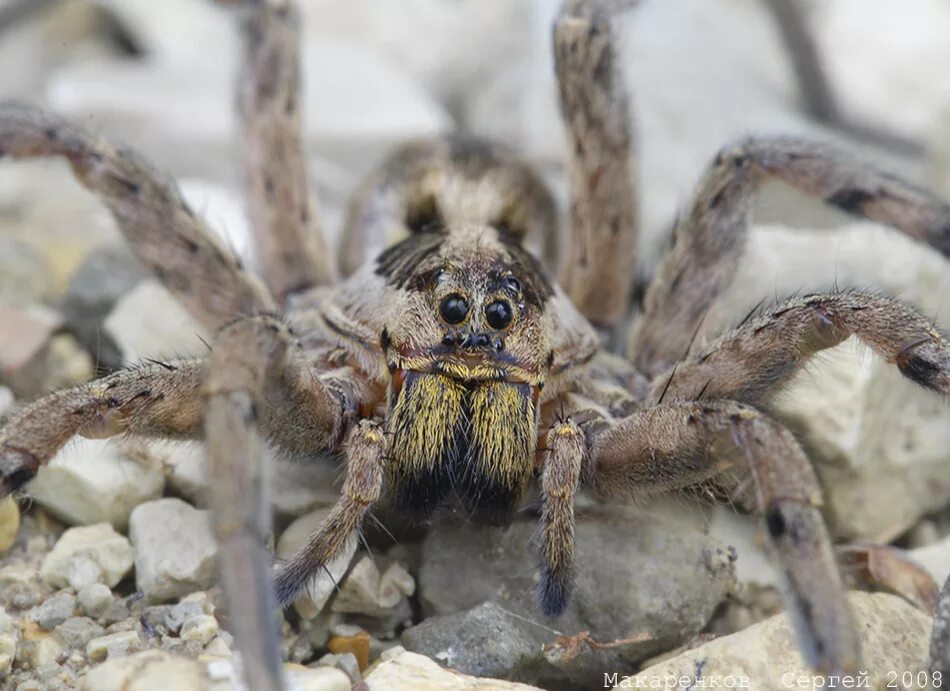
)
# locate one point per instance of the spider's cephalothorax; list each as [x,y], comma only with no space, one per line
[448,365]
[468,349]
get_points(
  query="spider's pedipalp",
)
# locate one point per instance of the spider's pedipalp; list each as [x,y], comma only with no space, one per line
[159,227]
[754,361]
[153,400]
[597,268]
[676,445]
[365,464]
[559,479]
[710,237]
[291,249]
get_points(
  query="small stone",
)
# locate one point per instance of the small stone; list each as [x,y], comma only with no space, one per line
[405,671]
[105,275]
[54,611]
[217,648]
[485,641]
[201,628]
[112,645]
[24,339]
[94,599]
[150,670]
[9,523]
[149,322]
[65,364]
[115,612]
[766,656]
[357,645]
[299,488]
[99,545]
[316,679]
[175,549]
[76,632]
[91,481]
[6,401]
[366,592]
[9,637]
[24,274]
[39,652]
[178,614]
[324,583]
[20,588]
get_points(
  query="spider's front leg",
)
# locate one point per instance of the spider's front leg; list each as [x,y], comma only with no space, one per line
[596,271]
[755,360]
[677,445]
[710,237]
[157,399]
[257,377]
[289,241]
[159,227]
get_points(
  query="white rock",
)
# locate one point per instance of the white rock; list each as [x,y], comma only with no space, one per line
[877,439]
[150,670]
[9,523]
[366,591]
[94,599]
[894,636]
[100,543]
[112,645]
[325,582]
[149,322]
[400,670]
[91,481]
[175,549]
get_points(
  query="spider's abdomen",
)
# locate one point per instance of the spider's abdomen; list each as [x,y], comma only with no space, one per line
[474,440]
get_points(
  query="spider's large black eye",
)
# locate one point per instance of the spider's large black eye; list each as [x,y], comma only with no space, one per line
[454,308]
[498,314]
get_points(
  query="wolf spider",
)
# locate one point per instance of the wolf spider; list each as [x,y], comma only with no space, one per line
[447,366]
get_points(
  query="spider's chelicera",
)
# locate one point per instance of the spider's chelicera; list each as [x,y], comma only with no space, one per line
[448,365]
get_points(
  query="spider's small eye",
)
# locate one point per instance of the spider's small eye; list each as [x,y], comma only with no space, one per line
[514,284]
[498,314]
[454,309]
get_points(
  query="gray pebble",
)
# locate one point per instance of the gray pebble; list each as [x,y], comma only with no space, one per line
[76,632]
[54,611]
